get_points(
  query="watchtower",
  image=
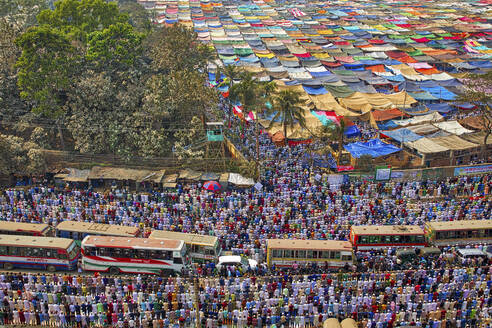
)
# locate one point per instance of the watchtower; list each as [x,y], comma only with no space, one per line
[215,148]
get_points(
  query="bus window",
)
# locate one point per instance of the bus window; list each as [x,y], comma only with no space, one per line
[346,257]
[301,254]
[178,260]
[16,251]
[288,253]
[49,253]
[277,253]
[315,254]
[481,233]
[374,239]
[332,255]
[3,250]
[117,252]
[309,254]
[143,254]
[364,239]
[127,253]
[325,254]
[419,239]
[396,239]
[337,255]
[62,256]
[387,239]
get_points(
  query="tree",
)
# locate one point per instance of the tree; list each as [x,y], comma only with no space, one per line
[185,95]
[287,108]
[45,68]
[117,47]
[20,157]
[231,73]
[253,96]
[478,91]
[138,16]
[176,48]
[187,143]
[333,133]
[78,18]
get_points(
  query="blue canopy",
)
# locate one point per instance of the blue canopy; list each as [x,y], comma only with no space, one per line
[402,135]
[352,131]
[440,92]
[315,91]
[373,148]
[387,125]
[441,107]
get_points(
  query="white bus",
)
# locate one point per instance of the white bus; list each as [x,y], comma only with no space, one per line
[200,248]
[291,252]
[133,255]
[45,253]
[25,229]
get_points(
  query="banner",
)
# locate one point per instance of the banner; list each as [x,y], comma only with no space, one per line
[472,170]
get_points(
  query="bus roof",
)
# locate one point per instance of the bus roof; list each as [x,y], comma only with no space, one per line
[308,244]
[189,238]
[460,225]
[135,243]
[387,230]
[22,226]
[98,228]
[50,242]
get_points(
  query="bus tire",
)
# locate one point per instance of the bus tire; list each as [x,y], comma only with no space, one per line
[114,270]
[51,268]
[8,266]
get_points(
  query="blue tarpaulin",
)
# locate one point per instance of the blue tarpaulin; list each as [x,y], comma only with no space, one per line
[352,131]
[373,148]
[402,135]
[315,91]
[441,107]
[387,125]
[440,92]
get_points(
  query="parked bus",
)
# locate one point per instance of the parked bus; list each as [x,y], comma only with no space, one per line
[25,229]
[200,248]
[324,253]
[79,230]
[377,237]
[462,232]
[46,253]
[133,255]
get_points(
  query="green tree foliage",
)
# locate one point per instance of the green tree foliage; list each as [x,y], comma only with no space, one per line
[117,46]
[334,133]
[78,18]
[104,79]
[45,68]
[287,108]
[138,16]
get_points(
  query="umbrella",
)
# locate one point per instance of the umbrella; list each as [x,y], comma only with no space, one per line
[211,185]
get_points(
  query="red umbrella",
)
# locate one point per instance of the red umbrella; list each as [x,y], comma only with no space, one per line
[212,186]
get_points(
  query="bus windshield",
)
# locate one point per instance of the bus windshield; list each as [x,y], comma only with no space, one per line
[73,250]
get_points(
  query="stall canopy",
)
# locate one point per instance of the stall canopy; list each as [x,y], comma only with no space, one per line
[402,135]
[374,148]
[426,146]
[238,180]
[452,127]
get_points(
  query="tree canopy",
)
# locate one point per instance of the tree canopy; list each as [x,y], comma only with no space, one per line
[96,76]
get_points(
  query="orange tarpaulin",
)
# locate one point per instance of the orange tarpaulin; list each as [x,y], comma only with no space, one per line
[428,71]
[376,68]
